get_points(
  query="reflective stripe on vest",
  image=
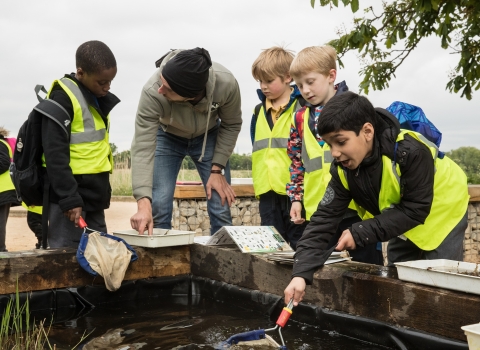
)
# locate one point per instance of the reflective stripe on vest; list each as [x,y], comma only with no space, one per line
[450,196]
[316,161]
[6,183]
[270,161]
[90,151]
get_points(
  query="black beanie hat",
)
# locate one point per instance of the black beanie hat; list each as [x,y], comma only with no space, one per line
[187,72]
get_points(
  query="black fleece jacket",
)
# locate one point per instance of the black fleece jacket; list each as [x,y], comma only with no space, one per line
[416,188]
[89,191]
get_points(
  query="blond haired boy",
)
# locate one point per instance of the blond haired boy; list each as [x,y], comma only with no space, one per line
[270,129]
[314,71]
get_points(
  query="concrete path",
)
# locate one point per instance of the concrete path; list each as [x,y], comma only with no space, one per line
[20,237]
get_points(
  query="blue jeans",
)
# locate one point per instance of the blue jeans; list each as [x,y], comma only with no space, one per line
[169,155]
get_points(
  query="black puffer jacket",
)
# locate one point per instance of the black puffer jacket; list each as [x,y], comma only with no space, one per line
[416,187]
[9,196]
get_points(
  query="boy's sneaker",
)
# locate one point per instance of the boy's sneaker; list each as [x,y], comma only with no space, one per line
[38,245]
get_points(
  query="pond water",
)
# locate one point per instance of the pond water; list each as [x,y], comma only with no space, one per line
[182,323]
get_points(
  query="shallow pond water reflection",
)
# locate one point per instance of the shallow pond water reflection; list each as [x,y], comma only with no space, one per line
[171,323]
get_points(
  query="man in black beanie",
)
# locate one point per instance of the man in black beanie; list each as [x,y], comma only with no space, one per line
[189,106]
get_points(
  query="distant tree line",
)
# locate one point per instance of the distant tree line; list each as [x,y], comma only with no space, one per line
[468,158]
[122,160]
[237,162]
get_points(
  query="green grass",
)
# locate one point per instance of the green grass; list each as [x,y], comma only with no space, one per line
[18,332]
[121,179]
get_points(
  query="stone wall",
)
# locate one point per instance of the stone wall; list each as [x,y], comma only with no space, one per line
[472,234]
[192,215]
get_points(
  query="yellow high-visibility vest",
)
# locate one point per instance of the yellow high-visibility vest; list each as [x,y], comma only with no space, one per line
[270,161]
[6,183]
[316,161]
[90,151]
[450,195]
[33,208]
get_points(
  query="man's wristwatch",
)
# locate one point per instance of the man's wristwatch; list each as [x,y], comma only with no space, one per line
[221,172]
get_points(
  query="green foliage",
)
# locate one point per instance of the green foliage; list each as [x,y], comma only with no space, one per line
[237,162]
[240,161]
[468,158]
[122,160]
[385,40]
[188,163]
[114,148]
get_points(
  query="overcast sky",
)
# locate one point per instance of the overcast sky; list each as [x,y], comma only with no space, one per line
[38,40]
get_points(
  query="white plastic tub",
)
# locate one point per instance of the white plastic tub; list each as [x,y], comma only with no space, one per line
[472,332]
[448,274]
[160,238]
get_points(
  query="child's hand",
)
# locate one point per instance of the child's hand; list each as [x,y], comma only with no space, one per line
[296,213]
[74,214]
[346,241]
[295,290]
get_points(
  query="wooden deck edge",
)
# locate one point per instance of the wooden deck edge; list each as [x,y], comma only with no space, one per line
[371,291]
[58,268]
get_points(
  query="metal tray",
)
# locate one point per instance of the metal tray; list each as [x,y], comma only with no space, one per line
[160,238]
[448,274]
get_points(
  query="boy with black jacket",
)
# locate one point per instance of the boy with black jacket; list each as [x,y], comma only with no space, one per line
[418,199]
[78,164]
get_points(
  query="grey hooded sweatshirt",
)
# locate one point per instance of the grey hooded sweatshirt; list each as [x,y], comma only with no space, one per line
[222,101]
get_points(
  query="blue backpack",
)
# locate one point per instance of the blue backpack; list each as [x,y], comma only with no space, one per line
[412,118]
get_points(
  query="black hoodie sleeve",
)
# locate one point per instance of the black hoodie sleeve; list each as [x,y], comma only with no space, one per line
[312,246]
[416,190]
[4,158]
[56,147]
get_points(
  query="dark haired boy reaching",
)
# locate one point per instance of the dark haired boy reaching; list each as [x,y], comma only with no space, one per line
[78,163]
[418,198]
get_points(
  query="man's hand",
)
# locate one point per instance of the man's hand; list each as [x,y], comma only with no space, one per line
[295,290]
[143,219]
[346,241]
[74,214]
[218,183]
[296,213]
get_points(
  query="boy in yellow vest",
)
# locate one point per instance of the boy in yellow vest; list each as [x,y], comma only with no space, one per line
[270,128]
[78,162]
[417,197]
[314,70]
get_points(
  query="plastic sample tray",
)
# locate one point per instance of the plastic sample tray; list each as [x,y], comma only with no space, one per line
[472,332]
[160,238]
[448,274]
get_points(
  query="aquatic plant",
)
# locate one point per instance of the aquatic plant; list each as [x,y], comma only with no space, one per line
[17,332]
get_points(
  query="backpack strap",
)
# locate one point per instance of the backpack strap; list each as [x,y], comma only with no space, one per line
[257,109]
[391,119]
[39,88]
[55,112]
[253,124]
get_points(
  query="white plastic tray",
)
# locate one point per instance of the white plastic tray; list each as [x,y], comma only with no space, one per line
[472,332]
[449,274]
[160,238]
